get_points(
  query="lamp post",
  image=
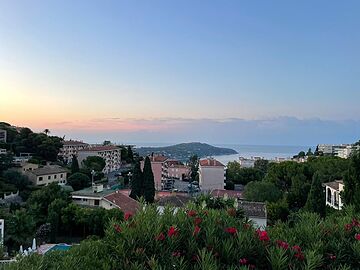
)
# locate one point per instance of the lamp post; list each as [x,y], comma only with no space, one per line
[92,177]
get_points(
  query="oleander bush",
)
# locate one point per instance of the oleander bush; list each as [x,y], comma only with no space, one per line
[203,238]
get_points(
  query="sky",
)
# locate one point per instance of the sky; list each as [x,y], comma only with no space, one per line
[247,72]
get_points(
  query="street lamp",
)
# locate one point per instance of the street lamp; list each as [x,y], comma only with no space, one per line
[92,177]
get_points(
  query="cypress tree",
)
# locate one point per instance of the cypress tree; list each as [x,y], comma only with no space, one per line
[352,182]
[137,182]
[149,184]
[316,199]
[130,154]
[74,165]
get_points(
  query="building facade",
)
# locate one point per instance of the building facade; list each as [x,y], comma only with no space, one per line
[111,154]
[47,174]
[211,174]
[159,168]
[332,191]
[71,148]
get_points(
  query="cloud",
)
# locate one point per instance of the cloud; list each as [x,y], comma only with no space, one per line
[277,131]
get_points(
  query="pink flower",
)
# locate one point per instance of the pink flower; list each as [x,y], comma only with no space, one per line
[127,216]
[348,227]
[117,228]
[196,230]
[243,261]
[282,244]
[231,230]
[332,257]
[172,231]
[191,213]
[197,220]
[300,256]
[263,236]
[357,236]
[160,237]
[297,249]
[176,254]
[355,222]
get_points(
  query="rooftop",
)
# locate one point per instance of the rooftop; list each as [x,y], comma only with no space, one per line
[210,162]
[253,209]
[124,202]
[89,192]
[100,148]
[158,158]
[334,185]
[71,142]
[230,193]
[49,169]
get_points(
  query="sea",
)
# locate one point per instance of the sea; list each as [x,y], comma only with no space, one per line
[269,152]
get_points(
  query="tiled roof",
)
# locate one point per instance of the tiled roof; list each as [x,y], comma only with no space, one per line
[125,203]
[100,148]
[51,169]
[157,158]
[253,209]
[230,193]
[174,200]
[71,142]
[173,162]
[334,185]
[210,162]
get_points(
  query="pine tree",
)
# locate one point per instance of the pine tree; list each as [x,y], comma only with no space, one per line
[149,184]
[130,154]
[316,199]
[74,165]
[352,182]
[137,182]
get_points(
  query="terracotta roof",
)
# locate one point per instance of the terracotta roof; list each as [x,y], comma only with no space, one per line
[172,162]
[230,193]
[52,169]
[100,148]
[253,209]
[210,162]
[174,200]
[124,202]
[334,185]
[71,142]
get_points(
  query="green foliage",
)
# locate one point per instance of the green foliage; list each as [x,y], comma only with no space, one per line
[194,167]
[262,165]
[5,162]
[262,192]
[316,198]
[74,165]
[79,181]
[277,211]
[149,184]
[137,182]
[94,163]
[243,176]
[130,155]
[15,178]
[351,192]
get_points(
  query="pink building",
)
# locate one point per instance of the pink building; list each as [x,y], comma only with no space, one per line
[159,169]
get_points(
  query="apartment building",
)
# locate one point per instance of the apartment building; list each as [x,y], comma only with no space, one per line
[211,174]
[159,169]
[47,174]
[71,148]
[111,154]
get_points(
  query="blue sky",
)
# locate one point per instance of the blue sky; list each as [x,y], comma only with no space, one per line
[67,64]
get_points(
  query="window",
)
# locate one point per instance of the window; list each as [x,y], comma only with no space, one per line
[328,195]
[49,177]
[55,176]
[97,202]
[40,178]
[61,175]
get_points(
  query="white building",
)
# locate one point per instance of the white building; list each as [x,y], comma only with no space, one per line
[332,190]
[111,154]
[2,226]
[47,174]
[71,148]
[338,150]
[246,163]
[3,134]
[254,211]
[211,174]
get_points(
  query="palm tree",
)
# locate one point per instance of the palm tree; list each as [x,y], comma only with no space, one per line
[46,131]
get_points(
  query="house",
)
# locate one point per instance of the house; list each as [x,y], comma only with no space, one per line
[332,191]
[48,174]
[98,196]
[110,153]
[26,167]
[254,211]
[159,169]
[235,194]
[246,163]
[176,170]
[71,148]
[3,134]
[211,174]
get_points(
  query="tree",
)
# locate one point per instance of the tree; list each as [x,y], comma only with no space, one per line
[74,165]
[54,216]
[130,154]
[149,184]
[194,167]
[94,163]
[351,192]
[107,143]
[262,192]
[79,181]
[242,176]
[298,193]
[17,179]
[262,165]
[5,162]
[309,153]
[137,182]
[46,131]
[301,154]
[316,198]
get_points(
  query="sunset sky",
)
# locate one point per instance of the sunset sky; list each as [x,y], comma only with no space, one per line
[257,72]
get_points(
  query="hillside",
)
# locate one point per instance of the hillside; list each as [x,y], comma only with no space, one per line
[183,151]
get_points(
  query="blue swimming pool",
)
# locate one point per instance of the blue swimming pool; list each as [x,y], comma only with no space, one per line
[62,247]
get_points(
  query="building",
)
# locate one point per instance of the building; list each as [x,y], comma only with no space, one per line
[234,194]
[332,191]
[246,163]
[2,226]
[48,174]
[3,134]
[2,151]
[211,174]
[111,154]
[98,196]
[177,170]
[254,211]
[71,148]
[159,168]
[338,150]
[26,167]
